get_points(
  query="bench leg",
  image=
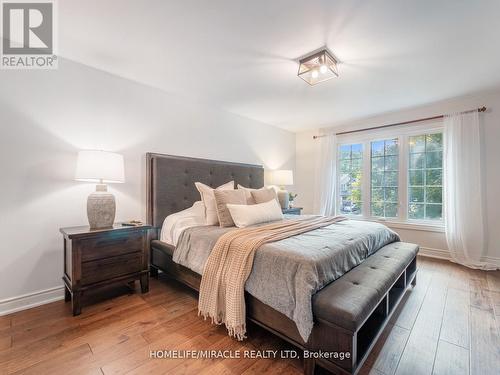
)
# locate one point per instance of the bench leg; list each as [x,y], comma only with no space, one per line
[309,366]
[414,281]
[153,271]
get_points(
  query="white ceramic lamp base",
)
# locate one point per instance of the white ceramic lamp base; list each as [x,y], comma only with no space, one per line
[283,198]
[101,208]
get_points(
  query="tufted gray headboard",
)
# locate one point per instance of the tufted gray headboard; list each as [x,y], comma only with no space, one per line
[170,181]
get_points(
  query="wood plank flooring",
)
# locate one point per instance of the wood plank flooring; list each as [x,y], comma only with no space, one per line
[448,324]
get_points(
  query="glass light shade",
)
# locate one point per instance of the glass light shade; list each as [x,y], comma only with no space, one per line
[100,166]
[282,177]
[318,67]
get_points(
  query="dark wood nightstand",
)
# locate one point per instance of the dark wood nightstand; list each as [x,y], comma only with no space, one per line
[94,258]
[292,210]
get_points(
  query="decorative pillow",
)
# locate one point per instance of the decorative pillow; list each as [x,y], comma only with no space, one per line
[207,196]
[222,198]
[248,193]
[264,195]
[245,215]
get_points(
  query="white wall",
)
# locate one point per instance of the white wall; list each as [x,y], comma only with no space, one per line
[47,116]
[307,154]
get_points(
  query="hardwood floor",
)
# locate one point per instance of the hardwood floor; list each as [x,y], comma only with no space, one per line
[448,324]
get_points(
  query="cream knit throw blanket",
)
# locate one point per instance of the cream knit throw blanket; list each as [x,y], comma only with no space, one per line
[222,290]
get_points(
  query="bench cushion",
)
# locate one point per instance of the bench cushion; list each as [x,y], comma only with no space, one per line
[349,300]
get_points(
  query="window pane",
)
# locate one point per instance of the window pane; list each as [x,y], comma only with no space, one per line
[345,152]
[434,211]
[377,209]
[351,168]
[416,194]
[434,177]
[391,209]
[391,195]
[345,166]
[425,177]
[416,178]
[416,211]
[391,163]
[434,142]
[391,178]
[417,144]
[384,178]
[391,147]
[434,194]
[378,164]
[357,151]
[417,161]
[378,148]
[378,178]
[434,159]
[357,164]
[377,194]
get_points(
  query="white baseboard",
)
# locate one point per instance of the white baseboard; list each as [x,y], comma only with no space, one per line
[445,254]
[434,253]
[492,260]
[30,300]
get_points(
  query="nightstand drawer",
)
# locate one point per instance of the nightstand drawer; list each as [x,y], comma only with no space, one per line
[111,244]
[103,269]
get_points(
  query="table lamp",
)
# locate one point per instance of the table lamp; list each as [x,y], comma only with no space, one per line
[283,178]
[102,167]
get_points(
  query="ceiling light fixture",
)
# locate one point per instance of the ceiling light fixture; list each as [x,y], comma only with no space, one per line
[318,67]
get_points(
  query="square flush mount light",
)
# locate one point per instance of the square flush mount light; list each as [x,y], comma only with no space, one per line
[318,67]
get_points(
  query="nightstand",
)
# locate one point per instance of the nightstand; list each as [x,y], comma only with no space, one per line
[292,210]
[95,258]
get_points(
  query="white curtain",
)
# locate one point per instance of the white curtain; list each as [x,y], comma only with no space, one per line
[465,230]
[325,198]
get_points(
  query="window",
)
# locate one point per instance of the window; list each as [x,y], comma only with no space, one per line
[397,176]
[425,177]
[384,182]
[351,171]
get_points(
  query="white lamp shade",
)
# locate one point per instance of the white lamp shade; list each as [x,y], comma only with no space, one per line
[96,166]
[282,177]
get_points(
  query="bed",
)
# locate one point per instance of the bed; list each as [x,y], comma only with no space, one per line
[349,313]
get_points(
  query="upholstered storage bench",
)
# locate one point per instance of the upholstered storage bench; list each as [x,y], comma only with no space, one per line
[350,313]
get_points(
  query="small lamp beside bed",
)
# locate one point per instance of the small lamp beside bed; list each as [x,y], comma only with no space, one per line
[282,178]
[102,167]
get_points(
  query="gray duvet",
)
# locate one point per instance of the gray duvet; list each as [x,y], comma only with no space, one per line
[287,273]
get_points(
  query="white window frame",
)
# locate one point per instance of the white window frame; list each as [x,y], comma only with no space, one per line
[402,134]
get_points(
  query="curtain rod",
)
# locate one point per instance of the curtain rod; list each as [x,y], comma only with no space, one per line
[482,109]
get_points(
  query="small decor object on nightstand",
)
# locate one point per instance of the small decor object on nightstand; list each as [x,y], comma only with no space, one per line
[283,178]
[291,198]
[102,167]
[132,223]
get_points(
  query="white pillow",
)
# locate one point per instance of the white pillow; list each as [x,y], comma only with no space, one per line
[176,223]
[208,198]
[244,215]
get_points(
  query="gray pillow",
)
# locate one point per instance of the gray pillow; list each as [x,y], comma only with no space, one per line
[222,198]
[264,195]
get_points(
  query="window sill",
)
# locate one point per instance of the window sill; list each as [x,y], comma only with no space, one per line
[421,226]
[439,228]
